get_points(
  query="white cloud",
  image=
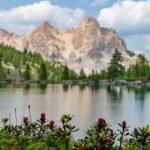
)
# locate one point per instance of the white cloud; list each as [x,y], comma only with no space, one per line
[98,2]
[25,18]
[128,17]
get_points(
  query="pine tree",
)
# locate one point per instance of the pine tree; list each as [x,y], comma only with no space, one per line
[26,74]
[139,71]
[2,71]
[65,73]
[72,75]
[82,74]
[115,68]
[104,74]
[43,72]
[16,60]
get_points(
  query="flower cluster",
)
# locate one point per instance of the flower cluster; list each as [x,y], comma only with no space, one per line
[101,123]
[51,124]
[26,120]
[43,118]
[100,136]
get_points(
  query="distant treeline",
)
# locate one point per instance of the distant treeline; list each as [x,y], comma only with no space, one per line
[30,66]
[116,71]
[138,71]
[27,65]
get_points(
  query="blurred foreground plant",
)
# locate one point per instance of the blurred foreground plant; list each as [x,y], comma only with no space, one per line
[44,134]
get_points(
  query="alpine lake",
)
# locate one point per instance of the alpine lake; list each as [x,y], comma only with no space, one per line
[85,103]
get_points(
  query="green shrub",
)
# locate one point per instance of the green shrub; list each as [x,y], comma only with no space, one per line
[46,135]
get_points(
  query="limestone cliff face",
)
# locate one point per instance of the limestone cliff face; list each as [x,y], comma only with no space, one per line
[46,41]
[86,46]
[87,35]
[11,39]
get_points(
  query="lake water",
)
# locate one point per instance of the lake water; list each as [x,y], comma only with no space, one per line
[87,104]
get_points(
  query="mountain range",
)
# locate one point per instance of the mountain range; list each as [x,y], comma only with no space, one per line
[88,45]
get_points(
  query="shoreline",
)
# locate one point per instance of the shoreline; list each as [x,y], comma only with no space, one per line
[124,83]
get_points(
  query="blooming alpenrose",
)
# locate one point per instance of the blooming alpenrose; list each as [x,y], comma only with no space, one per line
[25,120]
[51,124]
[124,124]
[43,118]
[101,122]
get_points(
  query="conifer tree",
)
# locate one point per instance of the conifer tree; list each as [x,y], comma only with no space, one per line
[26,74]
[43,72]
[82,74]
[115,68]
[65,73]
[2,71]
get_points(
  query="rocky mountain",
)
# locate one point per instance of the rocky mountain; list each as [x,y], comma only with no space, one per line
[88,46]
[12,39]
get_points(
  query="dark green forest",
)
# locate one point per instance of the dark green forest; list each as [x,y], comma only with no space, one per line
[30,66]
[138,71]
[116,71]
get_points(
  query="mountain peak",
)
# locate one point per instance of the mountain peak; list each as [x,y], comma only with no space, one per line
[46,26]
[86,46]
[89,21]
[45,29]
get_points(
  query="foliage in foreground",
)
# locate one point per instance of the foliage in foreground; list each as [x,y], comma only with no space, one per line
[46,135]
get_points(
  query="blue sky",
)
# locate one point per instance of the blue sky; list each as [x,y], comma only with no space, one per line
[84,4]
[130,18]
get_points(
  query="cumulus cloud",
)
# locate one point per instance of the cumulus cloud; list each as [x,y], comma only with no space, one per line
[24,19]
[128,17]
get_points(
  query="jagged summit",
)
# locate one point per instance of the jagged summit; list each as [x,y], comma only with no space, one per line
[89,21]
[86,46]
[11,39]
[90,26]
[46,28]
[46,24]
[45,40]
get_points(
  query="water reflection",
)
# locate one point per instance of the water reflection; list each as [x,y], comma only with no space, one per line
[42,86]
[140,92]
[26,86]
[115,92]
[65,87]
[2,85]
[82,87]
[87,103]
[95,87]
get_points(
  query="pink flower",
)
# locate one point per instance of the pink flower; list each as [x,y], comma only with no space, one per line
[124,124]
[26,120]
[51,124]
[101,122]
[42,118]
